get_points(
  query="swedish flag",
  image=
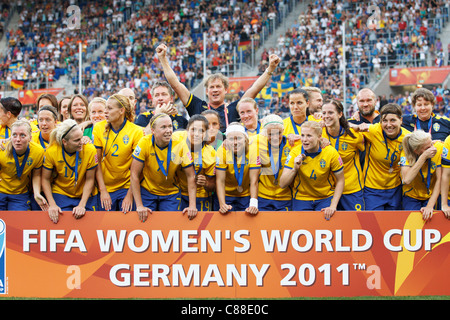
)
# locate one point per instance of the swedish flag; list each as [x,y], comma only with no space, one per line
[282,88]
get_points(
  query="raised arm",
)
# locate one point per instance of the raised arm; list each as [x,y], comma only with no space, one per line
[180,89]
[257,86]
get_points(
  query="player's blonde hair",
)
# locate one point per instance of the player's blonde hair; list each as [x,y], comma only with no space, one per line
[413,142]
[313,125]
[18,123]
[63,131]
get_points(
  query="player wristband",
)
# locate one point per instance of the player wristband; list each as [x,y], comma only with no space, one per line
[253,203]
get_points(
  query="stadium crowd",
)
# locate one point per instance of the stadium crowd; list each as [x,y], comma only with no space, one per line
[311,50]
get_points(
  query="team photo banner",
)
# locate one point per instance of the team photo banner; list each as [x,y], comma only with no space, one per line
[270,255]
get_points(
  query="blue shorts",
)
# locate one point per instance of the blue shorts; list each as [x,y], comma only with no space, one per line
[352,202]
[386,199]
[215,202]
[274,205]
[15,202]
[203,203]
[160,203]
[116,200]
[415,204]
[67,203]
[33,204]
[238,203]
[311,205]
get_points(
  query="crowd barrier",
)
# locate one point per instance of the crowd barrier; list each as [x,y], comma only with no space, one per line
[270,255]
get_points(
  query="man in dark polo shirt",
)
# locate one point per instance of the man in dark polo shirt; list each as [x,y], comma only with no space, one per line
[366,101]
[216,86]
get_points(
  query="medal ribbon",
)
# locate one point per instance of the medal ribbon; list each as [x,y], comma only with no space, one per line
[74,168]
[161,162]
[239,172]
[19,169]
[276,167]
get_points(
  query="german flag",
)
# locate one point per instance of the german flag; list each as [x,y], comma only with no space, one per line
[17,84]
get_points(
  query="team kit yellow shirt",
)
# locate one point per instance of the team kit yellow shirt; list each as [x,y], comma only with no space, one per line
[422,186]
[5,132]
[159,178]
[204,165]
[225,160]
[10,182]
[349,149]
[69,176]
[291,127]
[117,150]
[314,179]
[381,167]
[272,160]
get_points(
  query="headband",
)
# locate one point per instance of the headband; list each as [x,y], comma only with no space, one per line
[160,115]
[118,101]
[236,128]
[67,132]
[273,122]
[47,108]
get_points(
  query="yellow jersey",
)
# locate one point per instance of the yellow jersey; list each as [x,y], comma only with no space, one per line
[226,161]
[5,132]
[16,171]
[34,125]
[253,133]
[117,150]
[272,160]
[382,168]
[70,169]
[291,127]
[161,164]
[204,164]
[422,185]
[37,138]
[314,179]
[349,149]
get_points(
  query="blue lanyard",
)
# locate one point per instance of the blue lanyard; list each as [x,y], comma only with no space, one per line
[239,172]
[258,128]
[393,156]
[6,132]
[74,168]
[341,133]
[199,162]
[161,162]
[294,125]
[428,175]
[42,141]
[105,153]
[276,167]
[19,169]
